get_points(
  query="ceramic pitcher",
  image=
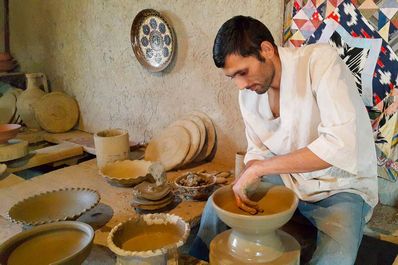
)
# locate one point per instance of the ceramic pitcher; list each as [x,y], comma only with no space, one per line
[36,84]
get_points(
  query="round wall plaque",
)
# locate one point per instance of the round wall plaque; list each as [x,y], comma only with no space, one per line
[153,40]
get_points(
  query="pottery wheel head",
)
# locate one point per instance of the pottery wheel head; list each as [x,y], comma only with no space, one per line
[158,172]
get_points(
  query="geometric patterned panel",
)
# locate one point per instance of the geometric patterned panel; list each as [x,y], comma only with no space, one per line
[365,35]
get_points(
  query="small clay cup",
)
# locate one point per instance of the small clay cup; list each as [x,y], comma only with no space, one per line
[8,131]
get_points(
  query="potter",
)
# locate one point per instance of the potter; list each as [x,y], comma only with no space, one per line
[307,129]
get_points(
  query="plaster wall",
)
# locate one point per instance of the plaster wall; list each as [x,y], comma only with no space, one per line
[1,27]
[84,48]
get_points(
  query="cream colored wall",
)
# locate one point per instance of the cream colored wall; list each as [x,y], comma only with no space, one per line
[84,48]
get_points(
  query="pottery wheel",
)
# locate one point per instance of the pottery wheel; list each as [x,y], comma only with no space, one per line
[220,254]
[194,132]
[56,112]
[15,148]
[170,147]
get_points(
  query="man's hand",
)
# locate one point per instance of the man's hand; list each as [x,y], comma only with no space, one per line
[249,179]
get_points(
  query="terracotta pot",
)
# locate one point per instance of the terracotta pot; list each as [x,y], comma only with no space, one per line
[8,65]
[5,56]
[8,131]
[27,99]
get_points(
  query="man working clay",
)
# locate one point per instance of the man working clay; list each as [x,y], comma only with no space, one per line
[306,128]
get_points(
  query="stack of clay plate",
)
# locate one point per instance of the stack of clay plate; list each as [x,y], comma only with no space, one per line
[191,139]
[150,197]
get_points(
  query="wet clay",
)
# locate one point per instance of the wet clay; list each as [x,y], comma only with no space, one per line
[48,247]
[271,201]
[153,237]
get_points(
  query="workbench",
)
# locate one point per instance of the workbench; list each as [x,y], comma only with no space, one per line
[114,206]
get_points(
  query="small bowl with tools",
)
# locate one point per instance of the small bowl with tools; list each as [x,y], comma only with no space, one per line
[195,186]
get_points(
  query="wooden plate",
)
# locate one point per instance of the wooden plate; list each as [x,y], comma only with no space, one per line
[54,206]
[169,147]
[153,40]
[195,135]
[56,112]
[210,139]
[59,243]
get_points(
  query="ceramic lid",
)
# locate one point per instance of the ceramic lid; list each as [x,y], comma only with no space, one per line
[210,139]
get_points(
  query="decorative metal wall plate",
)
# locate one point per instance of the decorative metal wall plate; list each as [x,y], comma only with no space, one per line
[153,40]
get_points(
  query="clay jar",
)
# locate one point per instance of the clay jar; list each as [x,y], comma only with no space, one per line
[27,99]
[111,145]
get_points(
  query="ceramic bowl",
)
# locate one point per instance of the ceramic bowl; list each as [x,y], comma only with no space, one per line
[126,173]
[59,243]
[148,239]
[277,202]
[8,131]
[199,193]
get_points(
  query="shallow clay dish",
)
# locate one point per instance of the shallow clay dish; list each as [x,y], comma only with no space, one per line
[8,131]
[170,147]
[56,112]
[148,239]
[199,193]
[54,206]
[126,173]
[150,191]
[59,243]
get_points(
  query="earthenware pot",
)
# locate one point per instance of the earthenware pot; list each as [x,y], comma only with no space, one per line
[111,145]
[62,243]
[8,131]
[150,239]
[27,99]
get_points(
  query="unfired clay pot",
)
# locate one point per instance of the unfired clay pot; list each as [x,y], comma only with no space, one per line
[27,99]
[111,145]
[8,131]
[150,239]
[254,239]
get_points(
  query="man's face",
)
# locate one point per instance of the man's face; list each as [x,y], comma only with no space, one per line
[249,72]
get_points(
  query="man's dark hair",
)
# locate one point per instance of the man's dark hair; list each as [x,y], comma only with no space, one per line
[240,35]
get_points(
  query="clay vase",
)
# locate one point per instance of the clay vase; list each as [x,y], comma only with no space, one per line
[28,98]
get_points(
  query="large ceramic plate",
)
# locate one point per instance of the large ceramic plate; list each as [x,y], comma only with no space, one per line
[153,40]
[54,206]
[170,147]
[59,243]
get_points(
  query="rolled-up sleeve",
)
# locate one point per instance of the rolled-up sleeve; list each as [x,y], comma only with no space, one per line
[336,94]
[256,150]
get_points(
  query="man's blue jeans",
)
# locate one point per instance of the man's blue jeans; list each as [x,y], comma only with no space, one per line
[340,220]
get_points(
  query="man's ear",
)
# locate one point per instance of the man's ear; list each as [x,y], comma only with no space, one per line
[267,49]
